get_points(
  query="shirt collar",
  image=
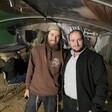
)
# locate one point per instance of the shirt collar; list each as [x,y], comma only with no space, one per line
[73,54]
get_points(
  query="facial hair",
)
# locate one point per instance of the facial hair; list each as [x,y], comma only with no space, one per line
[53,47]
[79,49]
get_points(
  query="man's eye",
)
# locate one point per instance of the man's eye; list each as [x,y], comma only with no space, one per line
[58,36]
[51,34]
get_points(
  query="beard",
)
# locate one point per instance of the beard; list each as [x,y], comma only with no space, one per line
[79,50]
[53,47]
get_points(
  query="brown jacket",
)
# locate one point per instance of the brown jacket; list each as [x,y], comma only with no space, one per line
[42,74]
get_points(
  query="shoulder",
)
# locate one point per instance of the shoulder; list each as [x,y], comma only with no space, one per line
[38,47]
[37,50]
[92,54]
[66,51]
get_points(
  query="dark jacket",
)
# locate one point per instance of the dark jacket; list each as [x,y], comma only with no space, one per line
[20,66]
[14,67]
[9,69]
[91,76]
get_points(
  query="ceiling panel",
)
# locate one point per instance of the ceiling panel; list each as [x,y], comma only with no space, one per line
[85,13]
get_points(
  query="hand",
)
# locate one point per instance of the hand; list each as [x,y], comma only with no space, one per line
[26,94]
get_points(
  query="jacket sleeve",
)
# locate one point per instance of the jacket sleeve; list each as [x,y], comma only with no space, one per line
[101,84]
[30,70]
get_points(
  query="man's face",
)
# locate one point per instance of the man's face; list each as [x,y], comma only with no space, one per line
[53,37]
[76,41]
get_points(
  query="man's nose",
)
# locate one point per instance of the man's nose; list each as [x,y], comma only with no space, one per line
[76,42]
[54,38]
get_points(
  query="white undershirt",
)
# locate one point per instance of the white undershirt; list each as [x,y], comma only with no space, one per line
[70,78]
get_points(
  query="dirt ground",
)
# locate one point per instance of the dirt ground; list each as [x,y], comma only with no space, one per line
[12,104]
